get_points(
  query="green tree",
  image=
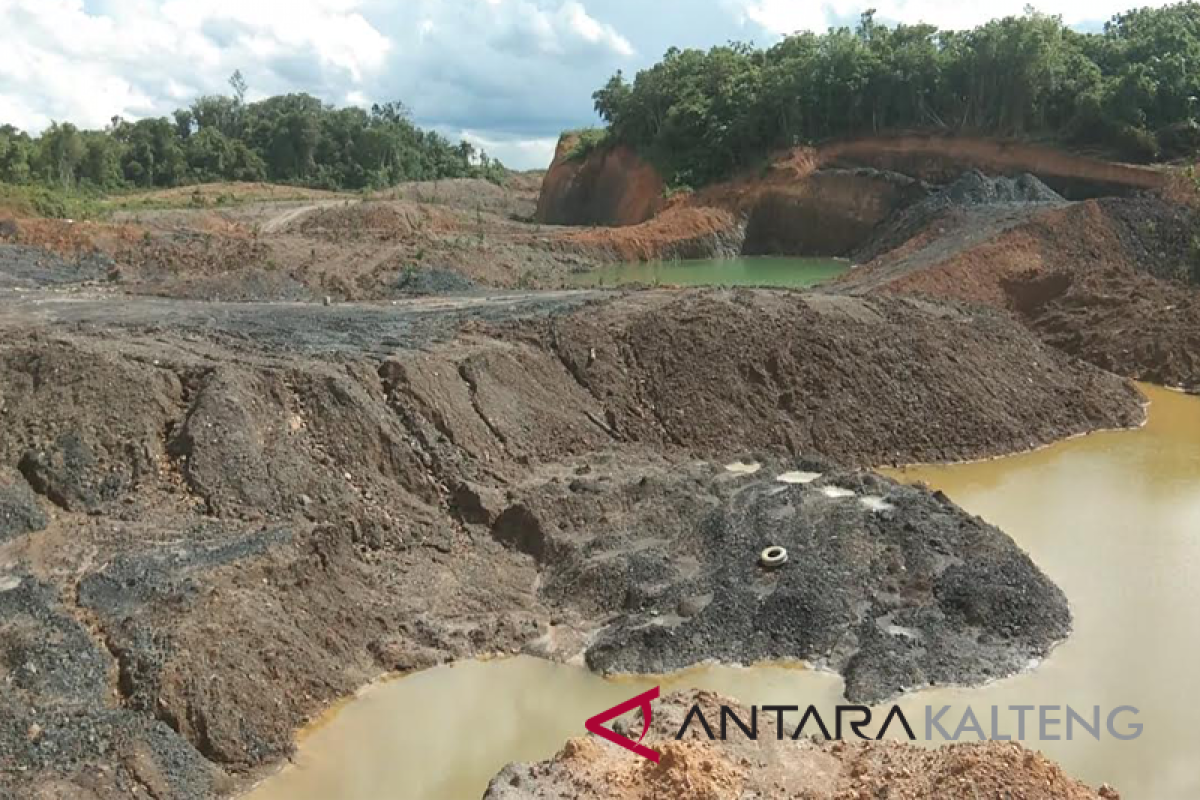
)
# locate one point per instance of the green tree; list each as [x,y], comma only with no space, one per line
[16,155]
[701,115]
[290,138]
[60,152]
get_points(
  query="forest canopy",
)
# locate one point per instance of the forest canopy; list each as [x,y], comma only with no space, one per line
[1132,89]
[292,139]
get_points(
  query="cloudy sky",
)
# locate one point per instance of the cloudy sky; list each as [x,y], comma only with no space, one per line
[506,74]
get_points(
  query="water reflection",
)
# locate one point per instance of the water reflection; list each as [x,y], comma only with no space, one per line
[749,271]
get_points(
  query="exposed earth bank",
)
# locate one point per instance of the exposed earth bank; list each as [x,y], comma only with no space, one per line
[1114,281]
[614,187]
[307,497]
[1100,259]
[696,768]
[310,494]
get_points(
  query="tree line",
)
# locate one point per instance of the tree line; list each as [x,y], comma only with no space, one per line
[293,139]
[1132,89]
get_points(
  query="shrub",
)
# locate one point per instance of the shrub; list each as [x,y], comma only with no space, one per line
[587,141]
[1136,144]
[1179,140]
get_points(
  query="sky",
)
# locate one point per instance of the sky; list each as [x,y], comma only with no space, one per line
[507,75]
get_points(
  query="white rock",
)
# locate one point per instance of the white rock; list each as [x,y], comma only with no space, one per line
[798,477]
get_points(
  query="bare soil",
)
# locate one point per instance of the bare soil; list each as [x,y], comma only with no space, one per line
[1112,281]
[307,497]
[697,768]
[224,505]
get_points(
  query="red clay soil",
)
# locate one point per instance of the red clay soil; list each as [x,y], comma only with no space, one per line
[611,187]
[1103,280]
[69,238]
[942,158]
[683,232]
[616,187]
[696,768]
[790,209]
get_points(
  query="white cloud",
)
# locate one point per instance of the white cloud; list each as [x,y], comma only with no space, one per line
[787,16]
[510,71]
[58,60]
[508,74]
[593,31]
[516,153]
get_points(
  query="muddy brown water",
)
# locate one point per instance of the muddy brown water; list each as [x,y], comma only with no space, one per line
[1114,518]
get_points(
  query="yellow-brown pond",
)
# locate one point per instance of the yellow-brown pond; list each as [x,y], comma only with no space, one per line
[1113,518]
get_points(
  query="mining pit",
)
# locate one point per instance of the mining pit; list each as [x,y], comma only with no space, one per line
[252,459]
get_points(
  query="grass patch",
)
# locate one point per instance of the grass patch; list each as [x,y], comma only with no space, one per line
[587,141]
[33,200]
[36,200]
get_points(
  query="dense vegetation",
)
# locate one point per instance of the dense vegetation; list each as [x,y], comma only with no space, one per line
[291,138]
[1133,89]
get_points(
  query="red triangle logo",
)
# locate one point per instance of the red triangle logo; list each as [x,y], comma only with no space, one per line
[596,724]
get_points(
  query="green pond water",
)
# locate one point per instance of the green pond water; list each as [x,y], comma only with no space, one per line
[1113,518]
[746,271]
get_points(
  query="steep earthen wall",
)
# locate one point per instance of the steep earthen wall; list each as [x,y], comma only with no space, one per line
[612,187]
[813,201]
[941,159]
[827,213]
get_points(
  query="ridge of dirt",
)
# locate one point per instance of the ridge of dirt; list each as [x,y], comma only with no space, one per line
[940,158]
[615,187]
[677,233]
[308,497]
[1008,201]
[696,768]
[1112,281]
[353,249]
[816,372]
[517,198]
[658,569]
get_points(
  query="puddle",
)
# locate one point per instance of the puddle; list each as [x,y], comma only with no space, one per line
[1113,518]
[876,504]
[446,732]
[745,271]
[798,477]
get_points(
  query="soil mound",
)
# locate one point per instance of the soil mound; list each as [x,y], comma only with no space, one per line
[68,238]
[308,496]
[517,198]
[414,281]
[1112,281]
[695,768]
[666,563]
[863,381]
[971,189]
[383,221]
[23,267]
